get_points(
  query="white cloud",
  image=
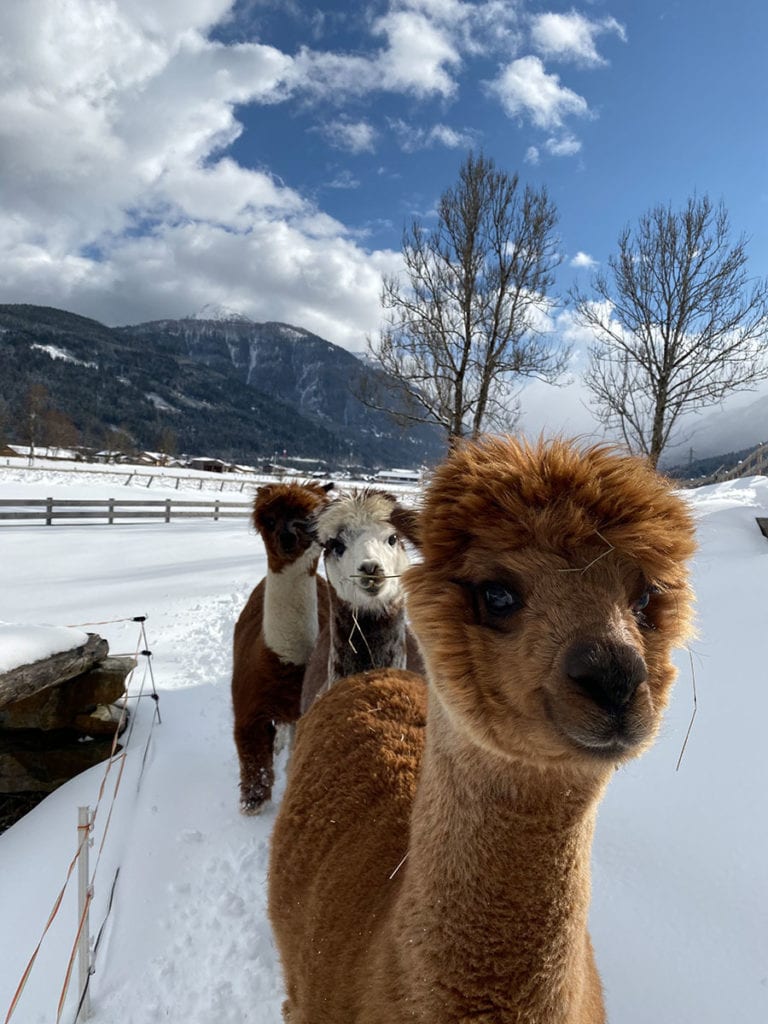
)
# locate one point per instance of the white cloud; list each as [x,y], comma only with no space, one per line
[571,37]
[116,201]
[583,260]
[569,408]
[564,145]
[354,136]
[343,180]
[531,155]
[418,56]
[526,90]
[119,200]
[412,138]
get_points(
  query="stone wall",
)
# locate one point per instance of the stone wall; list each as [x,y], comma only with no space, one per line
[58,716]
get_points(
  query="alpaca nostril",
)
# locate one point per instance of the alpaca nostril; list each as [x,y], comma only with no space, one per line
[607,672]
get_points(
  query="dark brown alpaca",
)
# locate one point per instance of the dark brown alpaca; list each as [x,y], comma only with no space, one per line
[275,633]
[430,859]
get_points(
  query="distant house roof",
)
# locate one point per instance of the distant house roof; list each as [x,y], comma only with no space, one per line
[43,452]
[210,464]
[406,476]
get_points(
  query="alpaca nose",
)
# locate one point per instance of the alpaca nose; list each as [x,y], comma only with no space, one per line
[371,575]
[608,672]
[287,539]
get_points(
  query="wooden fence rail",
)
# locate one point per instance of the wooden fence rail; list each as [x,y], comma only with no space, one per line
[51,510]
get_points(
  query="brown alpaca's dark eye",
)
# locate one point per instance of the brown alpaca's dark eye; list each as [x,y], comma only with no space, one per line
[392,540]
[269,522]
[499,599]
[641,606]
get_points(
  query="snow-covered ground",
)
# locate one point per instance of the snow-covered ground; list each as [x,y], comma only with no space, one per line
[680,884]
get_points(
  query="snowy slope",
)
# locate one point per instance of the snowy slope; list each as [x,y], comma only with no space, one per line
[680,884]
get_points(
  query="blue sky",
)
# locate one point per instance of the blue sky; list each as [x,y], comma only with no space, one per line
[264,155]
[673,102]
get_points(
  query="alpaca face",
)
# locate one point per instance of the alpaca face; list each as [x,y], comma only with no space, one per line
[364,556]
[281,514]
[552,592]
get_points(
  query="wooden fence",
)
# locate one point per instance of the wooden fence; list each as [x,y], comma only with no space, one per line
[48,511]
[145,476]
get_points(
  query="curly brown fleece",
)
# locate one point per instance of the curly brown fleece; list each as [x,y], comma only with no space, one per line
[432,865]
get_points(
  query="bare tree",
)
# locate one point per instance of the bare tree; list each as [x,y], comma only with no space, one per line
[59,430]
[167,443]
[678,324]
[34,406]
[470,318]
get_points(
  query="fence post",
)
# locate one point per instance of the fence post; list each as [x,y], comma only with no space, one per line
[49,511]
[111,516]
[83,901]
[167,510]
[216,510]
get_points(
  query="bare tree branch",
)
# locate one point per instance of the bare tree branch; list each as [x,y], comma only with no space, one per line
[466,322]
[678,324]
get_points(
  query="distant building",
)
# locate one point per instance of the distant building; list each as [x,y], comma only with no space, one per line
[23,451]
[210,465]
[111,455]
[398,476]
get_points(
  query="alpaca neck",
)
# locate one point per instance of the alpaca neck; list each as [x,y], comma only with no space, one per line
[492,910]
[290,609]
[361,640]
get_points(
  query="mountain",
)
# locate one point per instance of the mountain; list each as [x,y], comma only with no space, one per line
[223,386]
[730,429]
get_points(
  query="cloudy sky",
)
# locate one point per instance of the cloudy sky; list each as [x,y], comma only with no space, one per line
[158,156]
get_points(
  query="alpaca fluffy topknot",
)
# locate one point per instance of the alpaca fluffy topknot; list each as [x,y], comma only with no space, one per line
[287,499]
[555,497]
[352,512]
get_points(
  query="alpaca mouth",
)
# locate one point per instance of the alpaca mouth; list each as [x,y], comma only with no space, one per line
[370,584]
[601,734]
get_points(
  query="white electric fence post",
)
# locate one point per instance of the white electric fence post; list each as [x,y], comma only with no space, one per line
[84,941]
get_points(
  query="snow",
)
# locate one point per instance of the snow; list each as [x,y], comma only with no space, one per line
[61,353]
[25,644]
[680,863]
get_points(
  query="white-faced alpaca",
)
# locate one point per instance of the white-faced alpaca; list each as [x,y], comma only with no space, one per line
[275,633]
[432,864]
[364,561]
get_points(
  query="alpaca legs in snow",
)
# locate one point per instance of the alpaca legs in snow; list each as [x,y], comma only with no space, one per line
[255,741]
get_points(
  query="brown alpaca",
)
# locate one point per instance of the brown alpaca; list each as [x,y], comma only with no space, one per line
[432,865]
[275,633]
[364,562]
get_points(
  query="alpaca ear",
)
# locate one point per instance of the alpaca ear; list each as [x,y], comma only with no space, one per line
[407,522]
[329,486]
[261,496]
[263,492]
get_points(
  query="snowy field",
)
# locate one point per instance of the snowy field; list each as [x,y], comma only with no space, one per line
[680,879]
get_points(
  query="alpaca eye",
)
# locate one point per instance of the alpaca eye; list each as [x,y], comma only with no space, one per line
[392,540]
[336,546]
[499,599]
[642,602]
[269,522]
